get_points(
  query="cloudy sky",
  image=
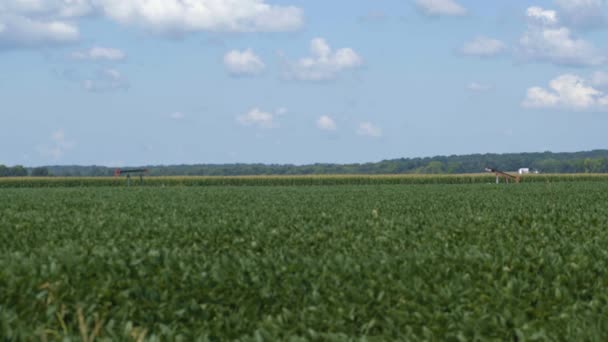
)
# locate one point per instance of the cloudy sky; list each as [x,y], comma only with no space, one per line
[117,82]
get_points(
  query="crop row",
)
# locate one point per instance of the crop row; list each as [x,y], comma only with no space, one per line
[30,182]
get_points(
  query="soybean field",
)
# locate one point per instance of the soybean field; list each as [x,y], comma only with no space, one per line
[346,262]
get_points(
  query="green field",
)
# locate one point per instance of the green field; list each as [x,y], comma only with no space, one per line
[321,263]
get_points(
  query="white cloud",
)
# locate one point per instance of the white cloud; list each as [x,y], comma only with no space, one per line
[370,130]
[100,53]
[483,47]
[538,97]
[243,63]
[325,64]
[48,8]
[326,123]
[58,147]
[558,47]
[106,80]
[40,23]
[566,92]
[478,87]
[546,41]
[22,32]
[33,23]
[259,118]
[441,7]
[177,116]
[600,79]
[541,16]
[180,16]
[585,14]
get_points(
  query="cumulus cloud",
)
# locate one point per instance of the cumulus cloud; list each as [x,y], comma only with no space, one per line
[58,146]
[33,23]
[538,15]
[484,47]
[258,118]
[600,79]
[65,9]
[243,63]
[106,80]
[369,130]
[326,123]
[586,14]
[567,92]
[23,32]
[440,7]
[547,41]
[40,23]
[325,63]
[98,53]
[178,16]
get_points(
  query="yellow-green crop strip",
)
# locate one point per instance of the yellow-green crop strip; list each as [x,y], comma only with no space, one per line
[304,180]
[386,262]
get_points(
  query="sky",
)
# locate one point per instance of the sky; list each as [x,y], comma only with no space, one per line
[142,82]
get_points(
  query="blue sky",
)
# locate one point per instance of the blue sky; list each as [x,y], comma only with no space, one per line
[138,82]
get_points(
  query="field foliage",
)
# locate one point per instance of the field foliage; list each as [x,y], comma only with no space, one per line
[33,182]
[377,262]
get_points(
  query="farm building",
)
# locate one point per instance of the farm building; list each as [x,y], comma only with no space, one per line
[525,171]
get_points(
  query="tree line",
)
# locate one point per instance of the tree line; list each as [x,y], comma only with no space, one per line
[545,162]
[21,171]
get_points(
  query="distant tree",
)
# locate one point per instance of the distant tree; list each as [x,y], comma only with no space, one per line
[3,171]
[550,165]
[454,167]
[594,165]
[17,171]
[40,172]
[603,165]
[434,167]
[576,165]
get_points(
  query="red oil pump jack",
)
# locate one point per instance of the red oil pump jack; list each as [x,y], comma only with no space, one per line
[506,176]
[137,172]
